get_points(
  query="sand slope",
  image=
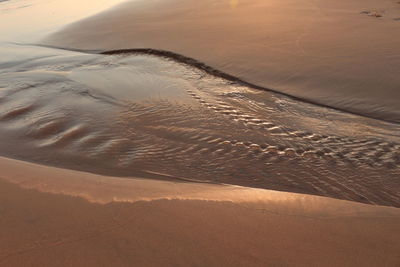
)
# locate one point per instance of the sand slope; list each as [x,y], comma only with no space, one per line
[274,229]
[128,115]
[337,53]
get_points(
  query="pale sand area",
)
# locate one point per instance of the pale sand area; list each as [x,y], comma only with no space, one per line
[338,53]
[58,217]
[28,20]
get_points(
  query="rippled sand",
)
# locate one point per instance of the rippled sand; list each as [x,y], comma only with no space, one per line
[138,114]
[151,112]
[342,53]
[164,157]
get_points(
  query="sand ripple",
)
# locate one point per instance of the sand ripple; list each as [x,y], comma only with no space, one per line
[140,115]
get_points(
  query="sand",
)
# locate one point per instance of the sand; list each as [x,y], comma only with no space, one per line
[27,21]
[59,217]
[336,53]
[78,110]
[131,115]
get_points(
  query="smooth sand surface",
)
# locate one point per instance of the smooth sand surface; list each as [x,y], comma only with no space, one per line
[28,20]
[338,53]
[58,217]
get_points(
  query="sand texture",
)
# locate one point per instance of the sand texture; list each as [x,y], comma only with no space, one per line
[336,53]
[139,114]
[145,136]
[49,229]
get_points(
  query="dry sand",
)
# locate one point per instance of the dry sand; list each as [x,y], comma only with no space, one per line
[70,218]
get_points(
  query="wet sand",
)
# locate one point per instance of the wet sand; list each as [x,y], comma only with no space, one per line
[341,54]
[137,114]
[149,146]
[29,20]
[68,218]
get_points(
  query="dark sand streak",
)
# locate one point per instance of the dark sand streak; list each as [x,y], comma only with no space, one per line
[280,45]
[212,71]
[174,121]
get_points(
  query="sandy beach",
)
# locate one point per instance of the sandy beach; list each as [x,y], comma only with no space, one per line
[199,133]
[334,53]
[49,218]
[137,115]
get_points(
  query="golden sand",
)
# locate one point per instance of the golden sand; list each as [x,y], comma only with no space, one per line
[68,218]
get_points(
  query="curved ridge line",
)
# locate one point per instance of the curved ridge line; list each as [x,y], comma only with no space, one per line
[215,72]
[212,71]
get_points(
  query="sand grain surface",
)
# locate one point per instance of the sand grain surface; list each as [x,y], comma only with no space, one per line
[48,229]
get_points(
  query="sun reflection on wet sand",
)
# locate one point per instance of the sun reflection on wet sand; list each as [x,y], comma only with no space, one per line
[30,20]
[180,137]
[234,3]
[104,190]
